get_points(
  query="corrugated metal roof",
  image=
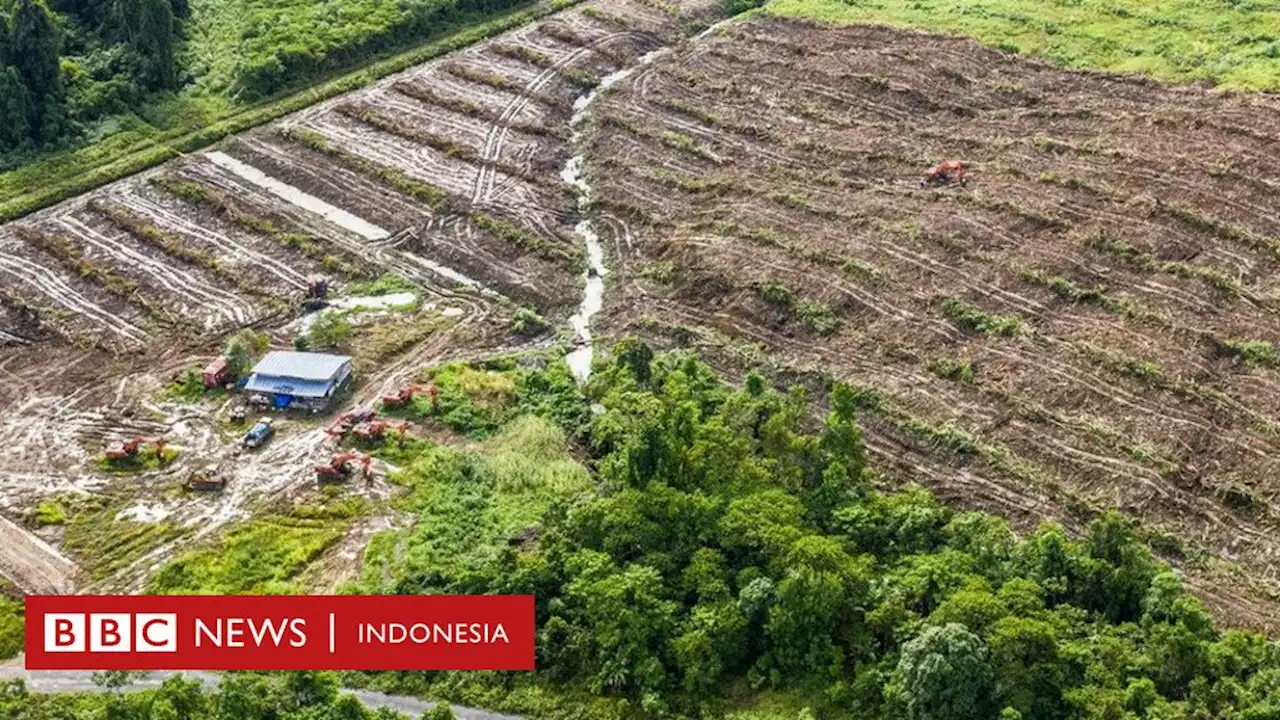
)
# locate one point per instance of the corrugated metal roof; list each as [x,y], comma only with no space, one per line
[288,386]
[301,365]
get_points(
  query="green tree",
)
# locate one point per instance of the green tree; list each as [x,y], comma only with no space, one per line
[714,641]
[35,45]
[329,330]
[15,129]
[1030,675]
[147,26]
[439,711]
[945,673]
[626,621]
[240,350]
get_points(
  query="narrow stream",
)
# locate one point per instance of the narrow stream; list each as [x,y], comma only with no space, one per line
[579,359]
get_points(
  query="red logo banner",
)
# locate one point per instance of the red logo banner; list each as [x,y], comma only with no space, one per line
[344,632]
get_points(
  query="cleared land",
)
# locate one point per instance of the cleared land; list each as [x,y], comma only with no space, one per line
[1088,323]
[447,175]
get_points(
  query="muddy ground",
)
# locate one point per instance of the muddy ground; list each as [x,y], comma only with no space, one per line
[1076,328]
[447,175]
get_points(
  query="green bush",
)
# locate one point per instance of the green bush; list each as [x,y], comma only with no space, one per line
[329,330]
[49,513]
[979,321]
[11,623]
[189,386]
[527,321]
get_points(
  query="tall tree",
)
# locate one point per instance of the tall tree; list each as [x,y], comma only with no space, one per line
[34,47]
[147,25]
[945,673]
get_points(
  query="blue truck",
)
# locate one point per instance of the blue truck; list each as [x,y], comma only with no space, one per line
[259,434]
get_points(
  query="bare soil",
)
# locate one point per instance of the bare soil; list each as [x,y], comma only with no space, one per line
[106,298]
[763,189]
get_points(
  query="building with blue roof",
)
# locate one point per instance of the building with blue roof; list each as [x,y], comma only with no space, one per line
[309,381]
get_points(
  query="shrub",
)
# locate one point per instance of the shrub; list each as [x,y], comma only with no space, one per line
[976,320]
[330,330]
[527,321]
[48,513]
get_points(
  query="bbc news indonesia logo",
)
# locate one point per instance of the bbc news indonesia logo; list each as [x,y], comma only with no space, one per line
[399,632]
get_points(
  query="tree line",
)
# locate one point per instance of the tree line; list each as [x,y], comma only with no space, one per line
[132,45]
[733,543]
[736,541]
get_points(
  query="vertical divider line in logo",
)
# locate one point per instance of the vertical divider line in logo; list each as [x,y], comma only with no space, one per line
[331,638]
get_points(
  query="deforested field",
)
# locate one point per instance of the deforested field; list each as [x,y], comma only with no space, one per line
[1089,322]
[448,178]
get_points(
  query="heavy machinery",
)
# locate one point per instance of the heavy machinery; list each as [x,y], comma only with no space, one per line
[342,466]
[944,173]
[128,450]
[376,430]
[210,478]
[406,396]
[317,291]
[317,287]
[346,421]
[259,434]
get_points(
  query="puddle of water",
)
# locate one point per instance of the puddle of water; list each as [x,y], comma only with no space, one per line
[141,512]
[335,215]
[374,302]
[372,305]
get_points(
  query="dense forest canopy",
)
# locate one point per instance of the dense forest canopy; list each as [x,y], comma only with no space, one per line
[728,544]
[73,69]
[78,60]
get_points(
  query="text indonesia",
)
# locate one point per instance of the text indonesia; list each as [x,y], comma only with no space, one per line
[347,632]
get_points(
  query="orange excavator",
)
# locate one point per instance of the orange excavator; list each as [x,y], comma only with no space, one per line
[406,396]
[376,430]
[343,423]
[944,173]
[128,450]
[341,466]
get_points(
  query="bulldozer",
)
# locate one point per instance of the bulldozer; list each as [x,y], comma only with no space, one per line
[406,396]
[120,450]
[210,478]
[342,466]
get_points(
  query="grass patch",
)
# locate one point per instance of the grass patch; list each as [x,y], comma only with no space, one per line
[72,172]
[1230,45]
[388,283]
[1250,353]
[263,556]
[957,369]
[103,545]
[48,513]
[815,315]
[12,614]
[1074,292]
[472,504]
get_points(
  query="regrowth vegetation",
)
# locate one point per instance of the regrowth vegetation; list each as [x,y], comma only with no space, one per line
[732,544]
[1232,45]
